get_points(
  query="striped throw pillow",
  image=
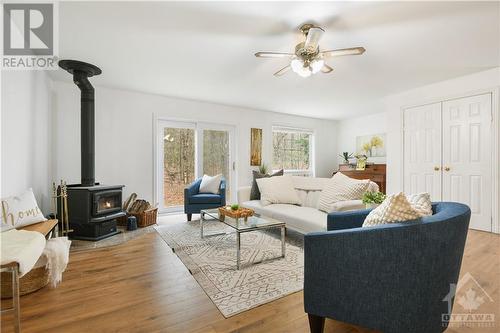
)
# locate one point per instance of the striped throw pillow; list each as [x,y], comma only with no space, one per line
[341,188]
[421,202]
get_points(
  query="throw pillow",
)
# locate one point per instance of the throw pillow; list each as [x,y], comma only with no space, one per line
[395,208]
[20,210]
[421,202]
[278,189]
[210,184]
[254,192]
[341,188]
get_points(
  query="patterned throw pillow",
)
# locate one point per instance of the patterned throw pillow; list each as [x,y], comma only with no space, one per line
[395,208]
[341,188]
[421,202]
[254,192]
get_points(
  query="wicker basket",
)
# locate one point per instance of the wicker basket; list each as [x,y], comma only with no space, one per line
[236,214]
[148,217]
[35,279]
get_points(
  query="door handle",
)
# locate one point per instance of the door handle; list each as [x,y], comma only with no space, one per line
[446,168]
[436,168]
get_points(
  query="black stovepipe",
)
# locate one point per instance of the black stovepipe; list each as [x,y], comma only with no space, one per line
[81,72]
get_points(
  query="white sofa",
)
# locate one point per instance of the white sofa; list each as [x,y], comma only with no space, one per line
[306,217]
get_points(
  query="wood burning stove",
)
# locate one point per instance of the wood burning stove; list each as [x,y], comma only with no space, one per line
[92,208]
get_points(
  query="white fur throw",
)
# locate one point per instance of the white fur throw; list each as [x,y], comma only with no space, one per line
[23,247]
[57,253]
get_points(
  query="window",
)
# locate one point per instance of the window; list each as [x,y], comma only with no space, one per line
[292,150]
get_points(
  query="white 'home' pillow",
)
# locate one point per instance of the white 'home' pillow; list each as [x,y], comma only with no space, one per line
[395,208]
[341,188]
[210,184]
[277,190]
[421,202]
[20,210]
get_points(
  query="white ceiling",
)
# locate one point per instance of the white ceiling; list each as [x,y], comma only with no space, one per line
[205,50]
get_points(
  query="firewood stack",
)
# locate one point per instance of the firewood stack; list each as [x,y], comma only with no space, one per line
[139,206]
[144,212]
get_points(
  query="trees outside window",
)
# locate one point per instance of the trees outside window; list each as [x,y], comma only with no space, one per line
[292,150]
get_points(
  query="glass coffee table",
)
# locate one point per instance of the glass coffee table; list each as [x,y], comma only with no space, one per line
[242,225]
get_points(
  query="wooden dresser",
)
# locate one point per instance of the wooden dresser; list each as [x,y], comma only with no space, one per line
[374,172]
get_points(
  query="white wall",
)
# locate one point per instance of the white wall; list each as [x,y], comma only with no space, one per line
[26,134]
[349,129]
[124,134]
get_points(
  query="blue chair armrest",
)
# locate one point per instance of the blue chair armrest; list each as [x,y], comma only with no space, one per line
[191,190]
[346,220]
[222,191]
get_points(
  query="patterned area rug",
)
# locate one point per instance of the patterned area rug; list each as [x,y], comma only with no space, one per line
[212,262]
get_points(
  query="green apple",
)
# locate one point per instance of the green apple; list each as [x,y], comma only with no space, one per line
[235,206]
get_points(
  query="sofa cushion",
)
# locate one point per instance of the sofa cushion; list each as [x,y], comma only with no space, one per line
[308,198]
[204,198]
[254,192]
[277,189]
[341,188]
[395,208]
[301,219]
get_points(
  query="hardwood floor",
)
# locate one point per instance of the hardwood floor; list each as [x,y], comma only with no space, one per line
[142,286]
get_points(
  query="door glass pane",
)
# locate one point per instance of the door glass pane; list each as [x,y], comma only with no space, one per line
[216,155]
[178,164]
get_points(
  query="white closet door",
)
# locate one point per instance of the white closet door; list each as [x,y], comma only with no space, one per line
[467,160]
[422,150]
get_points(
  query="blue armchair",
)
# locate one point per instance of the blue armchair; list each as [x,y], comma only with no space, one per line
[194,201]
[391,277]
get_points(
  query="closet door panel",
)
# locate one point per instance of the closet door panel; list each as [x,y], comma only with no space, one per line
[467,160]
[422,150]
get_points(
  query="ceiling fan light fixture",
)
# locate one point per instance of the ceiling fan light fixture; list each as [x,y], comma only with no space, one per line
[296,64]
[299,67]
[316,65]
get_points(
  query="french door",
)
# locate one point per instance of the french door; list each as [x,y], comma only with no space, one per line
[448,153]
[422,150]
[187,151]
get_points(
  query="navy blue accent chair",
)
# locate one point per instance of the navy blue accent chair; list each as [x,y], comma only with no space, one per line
[391,278]
[194,201]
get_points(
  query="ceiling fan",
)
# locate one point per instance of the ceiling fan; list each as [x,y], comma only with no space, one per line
[308,59]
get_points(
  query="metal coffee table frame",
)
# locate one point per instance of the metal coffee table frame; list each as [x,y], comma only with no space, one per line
[214,214]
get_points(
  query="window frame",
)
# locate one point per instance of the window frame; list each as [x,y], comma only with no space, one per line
[290,129]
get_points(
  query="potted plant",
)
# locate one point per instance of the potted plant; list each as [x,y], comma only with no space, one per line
[373,199]
[346,156]
[263,168]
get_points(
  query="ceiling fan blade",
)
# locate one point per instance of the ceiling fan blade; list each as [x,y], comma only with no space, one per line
[273,55]
[343,52]
[282,71]
[312,39]
[326,69]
